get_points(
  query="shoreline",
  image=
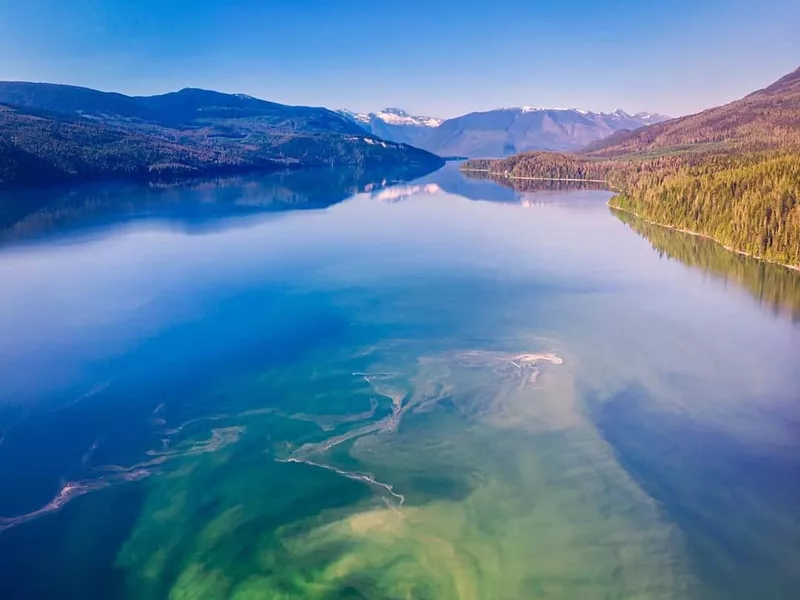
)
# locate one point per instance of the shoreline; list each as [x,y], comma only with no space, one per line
[795,268]
[603,181]
[704,236]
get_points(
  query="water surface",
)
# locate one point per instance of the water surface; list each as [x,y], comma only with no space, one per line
[328,386]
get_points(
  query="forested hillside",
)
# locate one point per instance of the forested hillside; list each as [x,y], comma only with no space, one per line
[748,203]
[766,118]
[730,173]
[60,133]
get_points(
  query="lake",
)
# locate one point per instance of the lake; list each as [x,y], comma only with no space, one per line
[348,385]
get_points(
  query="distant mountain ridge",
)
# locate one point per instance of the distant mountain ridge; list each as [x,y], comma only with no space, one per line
[54,133]
[503,131]
[184,107]
[508,131]
[395,124]
[393,116]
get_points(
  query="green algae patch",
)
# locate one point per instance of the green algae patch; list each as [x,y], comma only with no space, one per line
[470,475]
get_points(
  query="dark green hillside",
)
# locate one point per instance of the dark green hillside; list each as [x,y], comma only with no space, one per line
[53,134]
[70,99]
[186,108]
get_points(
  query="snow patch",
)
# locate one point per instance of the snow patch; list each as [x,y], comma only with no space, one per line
[380,143]
[526,109]
[395,116]
[392,116]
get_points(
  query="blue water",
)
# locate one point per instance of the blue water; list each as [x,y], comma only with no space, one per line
[165,351]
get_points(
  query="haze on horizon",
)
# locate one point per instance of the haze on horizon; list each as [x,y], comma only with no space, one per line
[440,59]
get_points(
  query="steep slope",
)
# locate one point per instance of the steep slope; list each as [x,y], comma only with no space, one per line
[507,131]
[80,134]
[764,119]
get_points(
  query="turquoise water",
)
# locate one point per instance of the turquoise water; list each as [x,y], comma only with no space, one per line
[334,387]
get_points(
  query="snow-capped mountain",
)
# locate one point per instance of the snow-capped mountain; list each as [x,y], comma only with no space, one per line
[361,118]
[393,116]
[503,131]
[395,124]
[640,119]
[507,131]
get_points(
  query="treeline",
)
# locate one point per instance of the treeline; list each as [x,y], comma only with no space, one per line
[539,185]
[749,201]
[547,165]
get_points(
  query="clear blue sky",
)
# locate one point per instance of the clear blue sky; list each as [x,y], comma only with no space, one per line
[435,57]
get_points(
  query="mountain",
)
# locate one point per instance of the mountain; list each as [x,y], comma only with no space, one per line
[507,131]
[55,133]
[186,107]
[730,173]
[769,117]
[503,131]
[395,124]
[646,118]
